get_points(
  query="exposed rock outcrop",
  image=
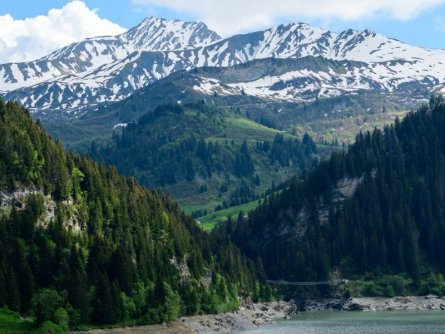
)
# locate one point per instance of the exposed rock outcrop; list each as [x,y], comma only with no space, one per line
[412,303]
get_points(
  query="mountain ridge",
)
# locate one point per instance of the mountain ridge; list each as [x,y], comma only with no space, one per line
[151,30]
[99,74]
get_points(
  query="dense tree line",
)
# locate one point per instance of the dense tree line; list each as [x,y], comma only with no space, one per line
[167,146]
[165,156]
[377,208]
[289,152]
[80,242]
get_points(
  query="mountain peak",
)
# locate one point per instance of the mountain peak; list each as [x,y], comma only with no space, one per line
[294,26]
[159,34]
[111,68]
[368,32]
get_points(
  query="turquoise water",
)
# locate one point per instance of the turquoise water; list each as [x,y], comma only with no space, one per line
[359,322]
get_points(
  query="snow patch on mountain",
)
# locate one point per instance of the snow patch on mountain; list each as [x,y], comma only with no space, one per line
[213,86]
[106,69]
[79,59]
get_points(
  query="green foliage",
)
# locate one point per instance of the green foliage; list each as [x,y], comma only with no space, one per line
[205,156]
[87,245]
[377,208]
[220,297]
[171,303]
[208,222]
[47,305]
[13,323]
[129,306]
[432,284]
[49,328]
[397,285]
[61,318]
[384,286]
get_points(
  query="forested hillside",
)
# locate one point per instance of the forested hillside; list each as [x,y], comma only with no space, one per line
[207,156]
[80,244]
[373,210]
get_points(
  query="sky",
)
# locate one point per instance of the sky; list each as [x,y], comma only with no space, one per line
[30,29]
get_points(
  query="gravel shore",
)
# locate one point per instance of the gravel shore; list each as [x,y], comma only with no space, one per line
[411,303]
[246,317]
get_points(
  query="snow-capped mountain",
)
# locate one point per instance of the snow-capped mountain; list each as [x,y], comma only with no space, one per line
[79,59]
[305,79]
[102,70]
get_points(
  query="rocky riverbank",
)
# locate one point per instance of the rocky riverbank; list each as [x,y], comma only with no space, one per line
[248,316]
[412,303]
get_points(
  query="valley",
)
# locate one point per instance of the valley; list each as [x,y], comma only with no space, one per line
[332,123]
[295,80]
[169,179]
[207,156]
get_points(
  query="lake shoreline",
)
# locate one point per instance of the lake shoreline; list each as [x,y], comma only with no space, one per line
[400,303]
[248,316]
[251,316]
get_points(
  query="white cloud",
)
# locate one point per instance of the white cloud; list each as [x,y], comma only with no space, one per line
[231,16]
[35,37]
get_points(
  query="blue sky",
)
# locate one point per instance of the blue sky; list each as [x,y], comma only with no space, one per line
[417,22]
[126,13]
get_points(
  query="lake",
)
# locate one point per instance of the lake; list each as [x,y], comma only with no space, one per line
[410,322]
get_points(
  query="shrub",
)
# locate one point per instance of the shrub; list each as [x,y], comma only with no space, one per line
[45,304]
[61,318]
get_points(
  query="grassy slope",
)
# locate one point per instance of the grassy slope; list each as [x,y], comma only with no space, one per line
[209,221]
[346,128]
[13,323]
